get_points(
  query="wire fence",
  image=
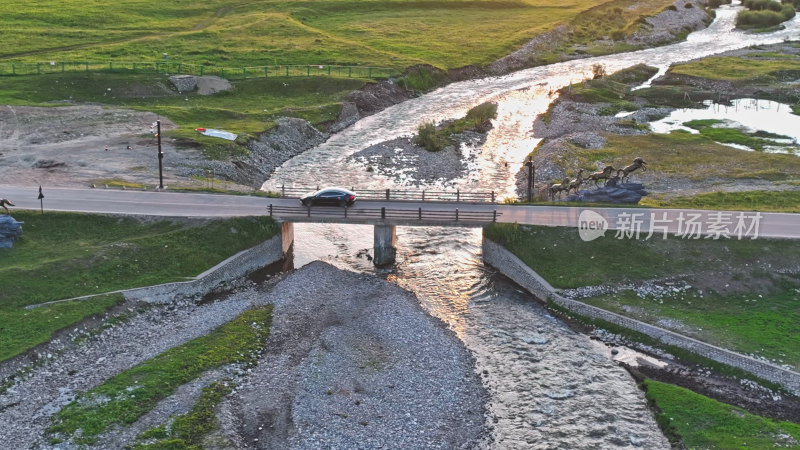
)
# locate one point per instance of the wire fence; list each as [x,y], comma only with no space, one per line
[177,68]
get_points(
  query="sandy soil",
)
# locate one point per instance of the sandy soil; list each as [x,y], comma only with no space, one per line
[66,146]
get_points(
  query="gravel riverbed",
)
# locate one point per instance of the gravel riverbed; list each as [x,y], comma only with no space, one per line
[405,161]
[352,361]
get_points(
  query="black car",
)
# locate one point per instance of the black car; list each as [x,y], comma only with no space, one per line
[329,196]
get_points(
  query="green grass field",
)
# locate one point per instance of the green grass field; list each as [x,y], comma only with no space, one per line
[393,33]
[563,259]
[739,68]
[65,255]
[759,314]
[766,324]
[772,201]
[699,422]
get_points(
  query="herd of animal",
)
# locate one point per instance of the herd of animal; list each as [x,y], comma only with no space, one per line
[568,185]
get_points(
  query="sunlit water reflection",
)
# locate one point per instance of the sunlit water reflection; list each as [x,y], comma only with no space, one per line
[550,387]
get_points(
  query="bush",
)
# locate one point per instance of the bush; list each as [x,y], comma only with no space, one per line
[761,19]
[430,138]
[718,3]
[598,71]
[483,112]
[619,35]
[435,138]
[762,5]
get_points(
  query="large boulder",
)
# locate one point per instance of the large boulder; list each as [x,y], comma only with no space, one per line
[206,85]
[10,231]
[184,83]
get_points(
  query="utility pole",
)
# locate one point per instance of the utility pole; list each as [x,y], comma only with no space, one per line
[531,171]
[160,154]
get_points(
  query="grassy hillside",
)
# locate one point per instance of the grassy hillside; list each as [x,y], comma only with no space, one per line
[393,33]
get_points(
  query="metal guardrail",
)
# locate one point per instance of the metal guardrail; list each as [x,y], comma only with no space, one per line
[407,195]
[172,67]
[383,214]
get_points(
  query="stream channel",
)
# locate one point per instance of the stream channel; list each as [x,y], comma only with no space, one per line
[550,387]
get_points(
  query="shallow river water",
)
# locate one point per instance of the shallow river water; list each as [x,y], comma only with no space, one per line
[550,387]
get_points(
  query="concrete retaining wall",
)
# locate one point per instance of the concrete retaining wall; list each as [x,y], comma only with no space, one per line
[232,268]
[511,266]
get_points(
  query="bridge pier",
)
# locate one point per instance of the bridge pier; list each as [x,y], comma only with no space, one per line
[287,237]
[385,245]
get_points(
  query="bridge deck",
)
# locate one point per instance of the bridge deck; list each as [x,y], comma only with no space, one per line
[384,216]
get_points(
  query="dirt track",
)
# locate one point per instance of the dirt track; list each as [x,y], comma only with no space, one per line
[66,146]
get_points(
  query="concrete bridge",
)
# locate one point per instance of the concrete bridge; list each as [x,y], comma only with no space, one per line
[630,223]
[384,220]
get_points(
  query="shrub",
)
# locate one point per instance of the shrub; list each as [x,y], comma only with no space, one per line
[762,5]
[435,138]
[717,3]
[619,34]
[430,138]
[598,71]
[483,112]
[759,19]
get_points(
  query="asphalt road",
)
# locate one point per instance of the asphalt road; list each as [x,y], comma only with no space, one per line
[591,222]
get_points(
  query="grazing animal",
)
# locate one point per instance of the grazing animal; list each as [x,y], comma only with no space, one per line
[4,202]
[604,174]
[576,183]
[558,188]
[637,163]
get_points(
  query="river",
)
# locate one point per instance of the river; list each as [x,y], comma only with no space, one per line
[550,387]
